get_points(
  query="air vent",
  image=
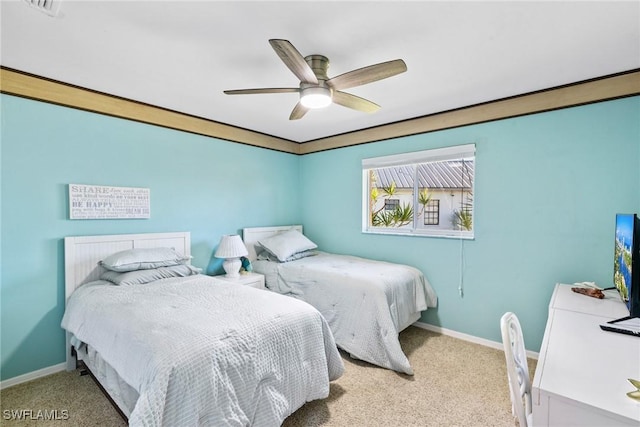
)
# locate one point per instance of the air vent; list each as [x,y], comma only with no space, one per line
[50,7]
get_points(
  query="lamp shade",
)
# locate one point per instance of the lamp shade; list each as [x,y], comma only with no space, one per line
[231,246]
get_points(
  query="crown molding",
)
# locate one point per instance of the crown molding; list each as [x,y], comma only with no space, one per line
[25,85]
[30,86]
[587,92]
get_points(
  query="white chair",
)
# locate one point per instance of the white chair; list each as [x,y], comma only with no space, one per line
[517,369]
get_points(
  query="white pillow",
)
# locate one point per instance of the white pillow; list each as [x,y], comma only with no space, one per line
[143,259]
[284,245]
[265,255]
[140,277]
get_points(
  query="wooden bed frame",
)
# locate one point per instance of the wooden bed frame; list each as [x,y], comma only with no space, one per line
[82,253]
[252,235]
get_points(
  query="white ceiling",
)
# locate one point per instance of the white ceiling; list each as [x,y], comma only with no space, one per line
[181,55]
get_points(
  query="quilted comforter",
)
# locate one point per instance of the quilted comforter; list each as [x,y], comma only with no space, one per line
[366,302]
[205,352]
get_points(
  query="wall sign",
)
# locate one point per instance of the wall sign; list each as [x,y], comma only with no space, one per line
[102,202]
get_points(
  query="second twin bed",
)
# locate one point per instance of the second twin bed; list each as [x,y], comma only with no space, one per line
[366,302]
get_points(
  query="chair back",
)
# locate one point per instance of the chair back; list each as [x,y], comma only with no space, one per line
[517,368]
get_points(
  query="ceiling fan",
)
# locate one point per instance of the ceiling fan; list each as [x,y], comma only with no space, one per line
[316,89]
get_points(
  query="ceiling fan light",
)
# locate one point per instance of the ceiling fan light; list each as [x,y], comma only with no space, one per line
[315,97]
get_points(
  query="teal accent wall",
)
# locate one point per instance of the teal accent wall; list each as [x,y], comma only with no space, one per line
[547,189]
[198,184]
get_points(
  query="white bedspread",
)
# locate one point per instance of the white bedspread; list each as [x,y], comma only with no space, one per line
[204,352]
[367,303]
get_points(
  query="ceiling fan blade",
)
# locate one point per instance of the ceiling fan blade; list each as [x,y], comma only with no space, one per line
[265,90]
[298,112]
[294,60]
[354,102]
[369,74]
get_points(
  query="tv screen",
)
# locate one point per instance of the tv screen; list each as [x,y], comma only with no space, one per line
[626,273]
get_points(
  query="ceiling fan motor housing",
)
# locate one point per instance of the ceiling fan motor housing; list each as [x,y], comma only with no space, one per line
[316,95]
[319,64]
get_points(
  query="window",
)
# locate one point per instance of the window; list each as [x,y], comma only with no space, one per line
[432,212]
[391,204]
[427,193]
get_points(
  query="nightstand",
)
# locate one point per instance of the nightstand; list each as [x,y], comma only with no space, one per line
[255,280]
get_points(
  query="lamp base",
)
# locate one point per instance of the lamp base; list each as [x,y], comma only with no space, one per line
[232,267]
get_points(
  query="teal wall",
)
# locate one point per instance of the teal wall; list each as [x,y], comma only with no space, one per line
[206,186]
[547,189]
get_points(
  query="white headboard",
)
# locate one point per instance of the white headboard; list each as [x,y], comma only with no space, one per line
[252,235]
[82,253]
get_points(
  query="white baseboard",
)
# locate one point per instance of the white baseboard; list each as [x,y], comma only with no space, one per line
[32,375]
[470,338]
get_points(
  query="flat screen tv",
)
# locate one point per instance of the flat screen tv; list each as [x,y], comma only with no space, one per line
[626,264]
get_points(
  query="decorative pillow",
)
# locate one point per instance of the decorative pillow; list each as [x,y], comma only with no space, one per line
[266,255]
[143,259]
[140,277]
[287,243]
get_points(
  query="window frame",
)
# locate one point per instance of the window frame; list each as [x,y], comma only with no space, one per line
[458,152]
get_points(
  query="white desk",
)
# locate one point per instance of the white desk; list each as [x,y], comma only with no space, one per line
[582,371]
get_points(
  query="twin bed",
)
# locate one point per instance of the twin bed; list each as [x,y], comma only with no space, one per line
[191,350]
[366,303]
[173,347]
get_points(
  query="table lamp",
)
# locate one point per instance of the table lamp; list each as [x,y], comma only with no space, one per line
[231,249]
